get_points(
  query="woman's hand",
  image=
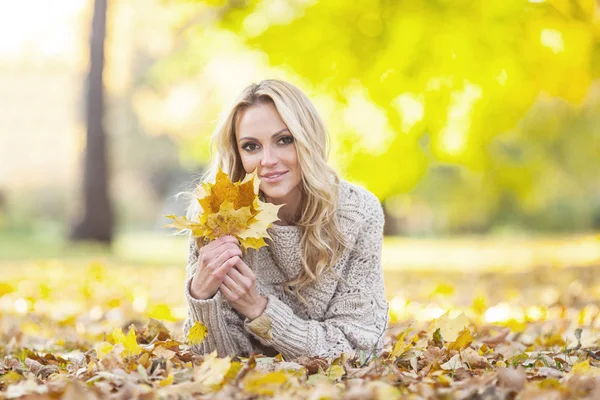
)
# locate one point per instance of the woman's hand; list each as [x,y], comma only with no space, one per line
[214,262]
[239,288]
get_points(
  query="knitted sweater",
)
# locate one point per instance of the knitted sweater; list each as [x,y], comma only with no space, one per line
[347,310]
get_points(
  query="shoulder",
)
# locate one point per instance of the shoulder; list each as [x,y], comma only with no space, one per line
[357,206]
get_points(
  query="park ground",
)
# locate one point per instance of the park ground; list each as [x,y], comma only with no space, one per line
[470,318]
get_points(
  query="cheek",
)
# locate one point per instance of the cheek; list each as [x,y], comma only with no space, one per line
[248,161]
[291,158]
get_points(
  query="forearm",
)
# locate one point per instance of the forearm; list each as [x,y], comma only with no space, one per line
[293,336]
[225,333]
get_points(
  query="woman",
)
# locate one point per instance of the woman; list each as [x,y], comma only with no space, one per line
[317,289]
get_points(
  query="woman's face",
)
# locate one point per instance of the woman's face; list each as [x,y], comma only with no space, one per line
[264,142]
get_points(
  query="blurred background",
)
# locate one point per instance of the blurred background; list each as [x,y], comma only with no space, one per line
[476,123]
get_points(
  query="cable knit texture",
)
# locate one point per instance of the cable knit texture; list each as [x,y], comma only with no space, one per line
[347,310]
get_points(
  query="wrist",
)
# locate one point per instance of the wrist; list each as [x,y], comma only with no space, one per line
[196,293]
[258,309]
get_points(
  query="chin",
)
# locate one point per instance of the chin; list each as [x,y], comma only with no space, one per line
[276,193]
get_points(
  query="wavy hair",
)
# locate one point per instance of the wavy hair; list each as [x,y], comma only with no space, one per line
[322,241]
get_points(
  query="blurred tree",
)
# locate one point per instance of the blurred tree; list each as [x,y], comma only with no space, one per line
[96,221]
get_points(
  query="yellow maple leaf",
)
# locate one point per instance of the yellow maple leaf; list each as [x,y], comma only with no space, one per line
[335,372]
[229,208]
[233,371]
[253,243]
[584,368]
[10,377]
[463,340]
[197,333]
[264,384]
[384,390]
[213,371]
[450,328]
[182,223]
[167,381]
[102,349]
[223,190]
[246,195]
[228,221]
[400,347]
[129,342]
[258,225]
[268,211]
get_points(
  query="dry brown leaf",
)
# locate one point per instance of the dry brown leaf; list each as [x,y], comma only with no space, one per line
[473,359]
[512,379]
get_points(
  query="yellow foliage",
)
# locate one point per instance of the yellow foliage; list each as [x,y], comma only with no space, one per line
[234,369]
[400,347]
[231,209]
[102,349]
[480,304]
[552,340]
[463,340]
[10,377]
[264,384]
[384,390]
[444,380]
[228,220]
[549,383]
[584,368]
[197,333]
[161,312]
[335,372]
[450,328]
[5,288]
[213,371]
[182,223]
[443,289]
[167,381]
[129,342]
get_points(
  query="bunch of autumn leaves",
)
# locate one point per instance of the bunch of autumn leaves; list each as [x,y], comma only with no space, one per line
[229,208]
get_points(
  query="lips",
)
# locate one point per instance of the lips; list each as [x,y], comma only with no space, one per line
[273,177]
[273,174]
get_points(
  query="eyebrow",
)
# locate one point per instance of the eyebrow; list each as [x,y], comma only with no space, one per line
[273,135]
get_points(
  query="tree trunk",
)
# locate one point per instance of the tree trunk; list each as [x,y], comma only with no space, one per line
[95,222]
[391,223]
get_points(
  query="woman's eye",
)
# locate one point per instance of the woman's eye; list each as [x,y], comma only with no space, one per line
[287,140]
[250,146]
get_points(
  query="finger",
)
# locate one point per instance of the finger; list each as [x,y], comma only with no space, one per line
[237,276]
[221,245]
[242,281]
[229,295]
[212,245]
[233,285]
[226,246]
[222,253]
[228,253]
[245,269]
[222,271]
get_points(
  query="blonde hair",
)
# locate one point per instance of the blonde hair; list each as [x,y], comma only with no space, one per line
[322,241]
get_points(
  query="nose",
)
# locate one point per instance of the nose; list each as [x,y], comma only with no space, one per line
[269,157]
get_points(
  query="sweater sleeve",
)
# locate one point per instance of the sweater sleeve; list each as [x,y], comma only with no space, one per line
[357,315]
[225,333]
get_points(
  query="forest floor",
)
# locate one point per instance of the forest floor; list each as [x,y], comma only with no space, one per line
[470,318]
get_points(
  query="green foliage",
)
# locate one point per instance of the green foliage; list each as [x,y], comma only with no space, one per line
[453,102]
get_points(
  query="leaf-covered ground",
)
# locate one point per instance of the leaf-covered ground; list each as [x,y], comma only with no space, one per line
[80,330]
